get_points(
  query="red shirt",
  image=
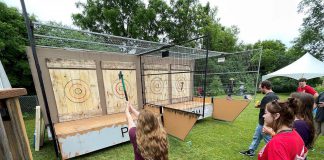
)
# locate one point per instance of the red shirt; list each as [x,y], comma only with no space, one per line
[307,89]
[284,146]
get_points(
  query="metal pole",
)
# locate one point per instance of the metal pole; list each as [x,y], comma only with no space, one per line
[256,84]
[142,82]
[205,80]
[39,73]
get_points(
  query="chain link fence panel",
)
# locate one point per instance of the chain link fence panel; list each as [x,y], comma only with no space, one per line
[28,105]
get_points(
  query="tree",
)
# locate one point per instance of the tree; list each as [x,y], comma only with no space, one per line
[180,21]
[311,37]
[223,39]
[188,20]
[13,41]
[128,18]
[273,55]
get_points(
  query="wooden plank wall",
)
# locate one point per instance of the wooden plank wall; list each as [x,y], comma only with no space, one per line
[156,87]
[180,87]
[75,88]
[80,72]
[181,83]
[114,90]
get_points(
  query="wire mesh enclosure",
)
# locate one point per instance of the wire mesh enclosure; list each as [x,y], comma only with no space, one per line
[174,77]
[65,37]
[171,75]
[235,75]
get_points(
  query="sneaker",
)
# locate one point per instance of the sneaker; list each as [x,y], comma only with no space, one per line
[249,152]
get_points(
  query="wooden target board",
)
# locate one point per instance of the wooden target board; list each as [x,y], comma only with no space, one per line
[114,89]
[180,86]
[156,87]
[75,90]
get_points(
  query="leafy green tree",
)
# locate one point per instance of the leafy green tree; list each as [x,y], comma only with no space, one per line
[128,18]
[13,41]
[180,21]
[273,55]
[215,88]
[223,39]
[188,20]
[311,37]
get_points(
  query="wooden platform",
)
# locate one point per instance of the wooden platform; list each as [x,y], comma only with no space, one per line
[88,135]
[185,105]
[195,107]
[79,126]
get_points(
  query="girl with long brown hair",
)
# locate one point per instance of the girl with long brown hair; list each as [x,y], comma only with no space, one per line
[148,137]
[304,123]
[286,143]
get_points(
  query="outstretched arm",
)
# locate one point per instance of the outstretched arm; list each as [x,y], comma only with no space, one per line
[129,118]
[132,109]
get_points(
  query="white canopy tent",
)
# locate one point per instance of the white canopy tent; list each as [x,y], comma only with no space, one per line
[306,66]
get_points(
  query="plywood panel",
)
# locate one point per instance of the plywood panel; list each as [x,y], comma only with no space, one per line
[156,87]
[84,125]
[76,93]
[117,65]
[178,123]
[180,86]
[228,110]
[180,67]
[153,108]
[65,63]
[114,89]
[160,67]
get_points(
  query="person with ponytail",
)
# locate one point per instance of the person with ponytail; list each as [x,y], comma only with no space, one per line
[286,143]
[304,123]
[148,137]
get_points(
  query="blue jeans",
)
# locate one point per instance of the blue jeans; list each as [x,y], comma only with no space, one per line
[258,135]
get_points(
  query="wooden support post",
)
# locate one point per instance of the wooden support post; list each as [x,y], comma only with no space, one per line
[39,129]
[4,145]
[14,126]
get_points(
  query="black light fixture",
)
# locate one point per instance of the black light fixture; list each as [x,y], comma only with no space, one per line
[165,53]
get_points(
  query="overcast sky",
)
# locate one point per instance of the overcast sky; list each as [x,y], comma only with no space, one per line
[256,19]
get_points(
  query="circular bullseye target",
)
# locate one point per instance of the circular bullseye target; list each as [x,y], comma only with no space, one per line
[77,91]
[118,89]
[180,84]
[156,85]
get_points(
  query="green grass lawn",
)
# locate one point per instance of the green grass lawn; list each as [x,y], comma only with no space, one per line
[209,139]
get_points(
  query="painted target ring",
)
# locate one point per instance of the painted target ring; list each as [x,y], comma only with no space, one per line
[77,91]
[118,89]
[180,84]
[156,85]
